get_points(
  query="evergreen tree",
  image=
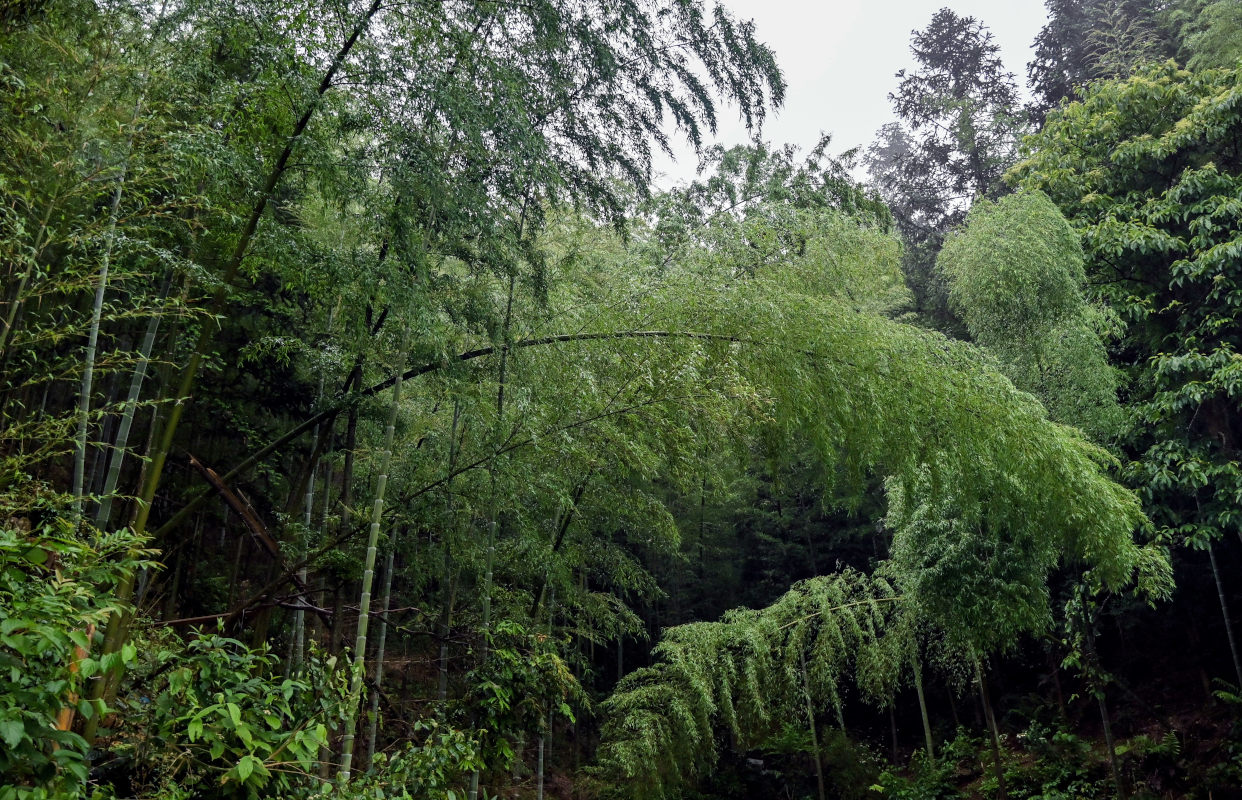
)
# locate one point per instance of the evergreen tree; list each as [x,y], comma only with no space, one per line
[957,134]
[1088,40]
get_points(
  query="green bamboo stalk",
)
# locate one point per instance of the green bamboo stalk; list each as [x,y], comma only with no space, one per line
[539,778]
[119,446]
[490,563]
[927,731]
[325,512]
[107,432]
[84,400]
[373,725]
[560,526]
[92,342]
[547,714]
[1095,678]
[299,616]
[298,652]
[990,716]
[104,685]
[1224,610]
[491,527]
[810,713]
[368,578]
[118,623]
[447,580]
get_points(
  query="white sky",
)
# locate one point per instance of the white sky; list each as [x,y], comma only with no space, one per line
[839,58]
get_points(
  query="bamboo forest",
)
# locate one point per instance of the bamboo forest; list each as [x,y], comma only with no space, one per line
[378,421]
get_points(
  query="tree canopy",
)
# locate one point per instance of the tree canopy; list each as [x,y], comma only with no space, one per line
[1149,191]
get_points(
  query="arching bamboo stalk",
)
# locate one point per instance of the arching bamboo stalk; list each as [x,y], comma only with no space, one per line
[350,400]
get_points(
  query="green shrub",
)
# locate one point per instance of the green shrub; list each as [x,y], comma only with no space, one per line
[55,588]
[211,718]
[426,770]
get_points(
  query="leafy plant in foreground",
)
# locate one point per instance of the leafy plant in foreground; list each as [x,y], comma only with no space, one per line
[429,769]
[55,590]
[211,718]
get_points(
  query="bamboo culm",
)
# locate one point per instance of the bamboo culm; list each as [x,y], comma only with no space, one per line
[491,526]
[1096,678]
[92,341]
[101,289]
[1224,610]
[118,622]
[810,713]
[373,723]
[992,728]
[121,443]
[927,731]
[448,583]
[368,578]
[298,653]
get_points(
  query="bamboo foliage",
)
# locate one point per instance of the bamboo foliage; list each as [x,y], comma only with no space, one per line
[1016,279]
[979,445]
[741,676]
[569,402]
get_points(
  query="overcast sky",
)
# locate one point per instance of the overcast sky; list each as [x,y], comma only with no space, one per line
[839,58]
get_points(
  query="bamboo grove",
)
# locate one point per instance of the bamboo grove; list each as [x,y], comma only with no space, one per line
[371,426]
